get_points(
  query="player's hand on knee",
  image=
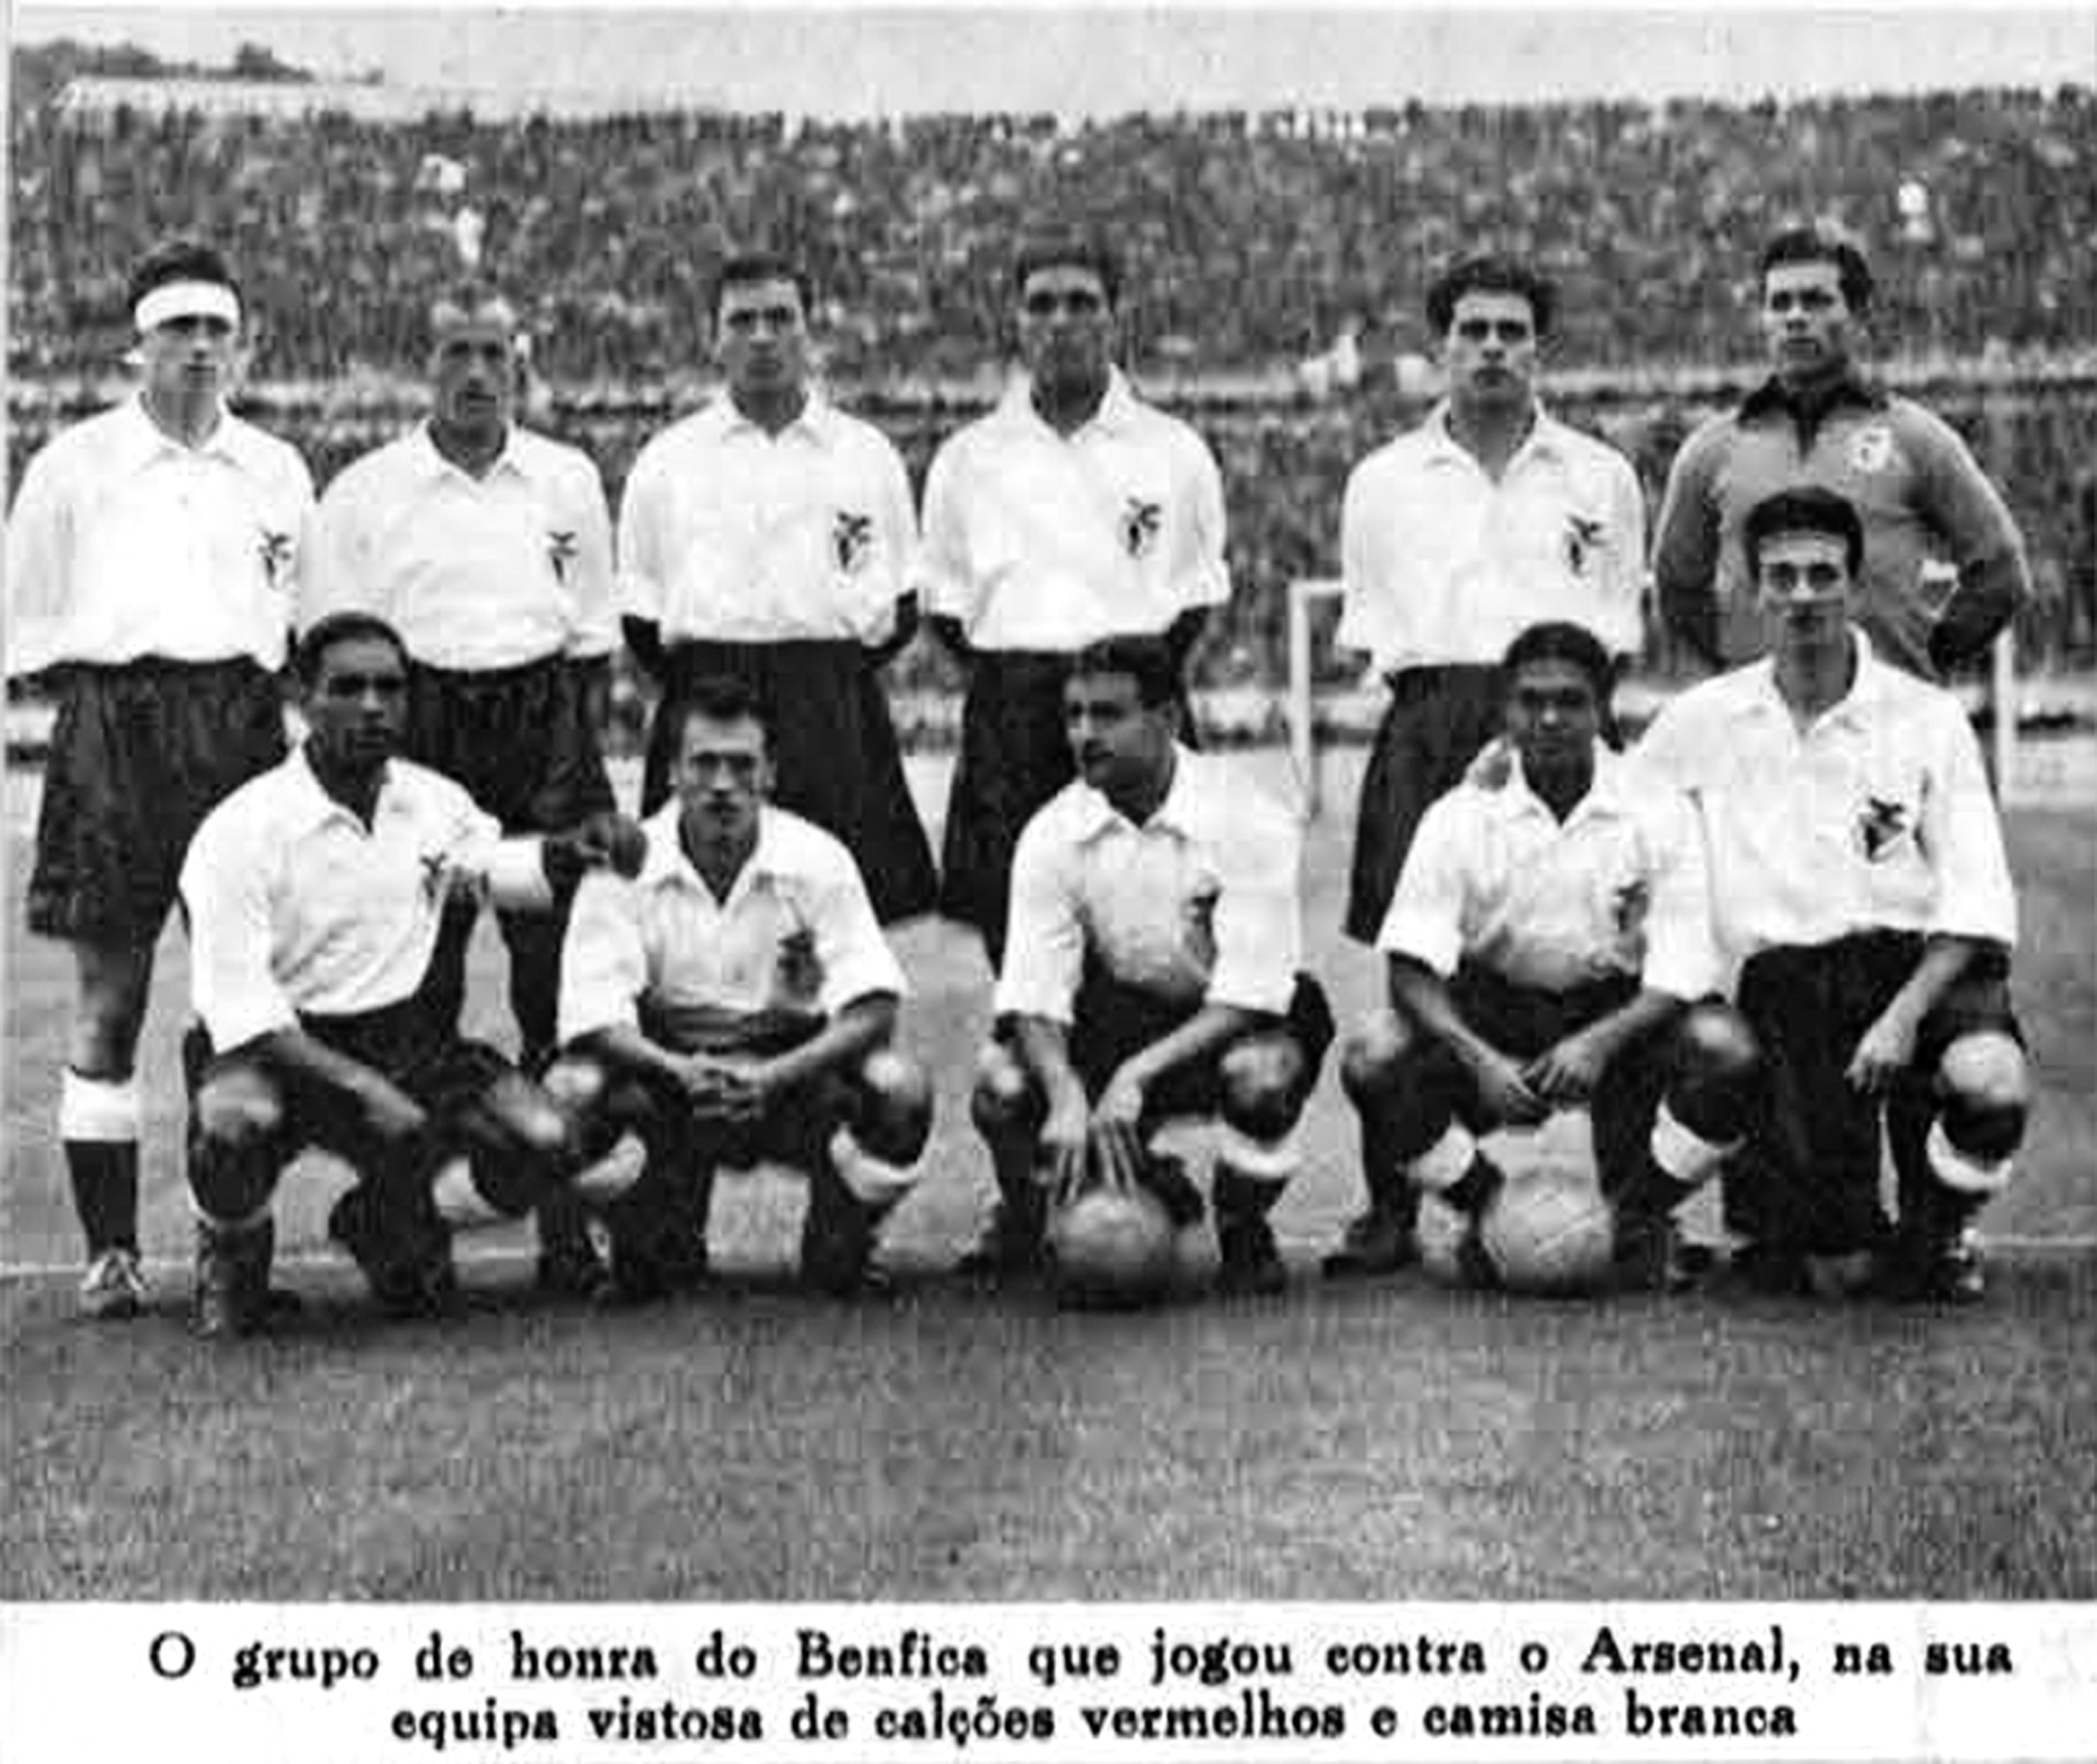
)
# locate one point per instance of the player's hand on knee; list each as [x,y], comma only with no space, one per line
[1507,1096]
[1065,1137]
[1885,1051]
[391,1114]
[1121,1102]
[1118,1149]
[1565,1075]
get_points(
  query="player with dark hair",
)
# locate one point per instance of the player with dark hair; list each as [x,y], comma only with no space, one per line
[316,895]
[1818,419]
[1489,517]
[1859,879]
[488,546]
[770,536]
[1550,947]
[1153,971]
[1074,511]
[733,1002]
[151,557]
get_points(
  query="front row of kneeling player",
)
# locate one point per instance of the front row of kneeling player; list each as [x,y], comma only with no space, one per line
[1815,829]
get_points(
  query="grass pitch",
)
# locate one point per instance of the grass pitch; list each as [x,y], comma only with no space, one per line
[1382,1442]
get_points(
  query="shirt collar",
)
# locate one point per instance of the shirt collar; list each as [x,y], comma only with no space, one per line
[1608,793]
[817,421]
[313,807]
[1867,685]
[434,464]
[1180,811]
[144,439]
[1118,406]
[1546,438]
[667,864]
[1770,397]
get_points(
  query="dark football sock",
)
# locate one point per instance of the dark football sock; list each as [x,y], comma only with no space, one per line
[105,1182]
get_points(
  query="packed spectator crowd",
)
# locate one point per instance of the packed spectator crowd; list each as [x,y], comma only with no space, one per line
[1256,240]
[1258,237]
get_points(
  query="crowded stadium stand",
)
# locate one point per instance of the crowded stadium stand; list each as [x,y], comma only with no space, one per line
[1279,260]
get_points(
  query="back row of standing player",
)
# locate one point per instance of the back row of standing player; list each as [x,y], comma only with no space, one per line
[159,554]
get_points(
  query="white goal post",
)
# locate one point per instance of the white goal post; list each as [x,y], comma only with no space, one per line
[1302,710]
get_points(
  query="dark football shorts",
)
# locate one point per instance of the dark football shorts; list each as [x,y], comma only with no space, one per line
[403,1042]
[140,755]
[1112,1021]
[1809,1173]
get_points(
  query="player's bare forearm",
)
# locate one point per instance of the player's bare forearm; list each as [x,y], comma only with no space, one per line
[387,1108]
[1421,997]
[1211,1027]
[1646,1011]
[623,1050]
[1568,1073]
[1044,1044]
[855,1031]
[1944,959]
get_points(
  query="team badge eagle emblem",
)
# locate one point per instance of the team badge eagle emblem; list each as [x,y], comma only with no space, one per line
[275,549]
[560,552]
[1879,826]
[1140,524]
[1872,447]
[851,539]
[1583,539]
[1629,905]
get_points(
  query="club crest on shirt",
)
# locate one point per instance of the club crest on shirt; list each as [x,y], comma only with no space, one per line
[1583,539]
[1629,905]
[851,540]
[435,875]
[1198,916]
[798,970]
[1141,522]
[560,552]
[1872,447]
[1879,826]
[275,549]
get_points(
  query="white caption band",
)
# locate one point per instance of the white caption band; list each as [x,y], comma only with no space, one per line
[185,300]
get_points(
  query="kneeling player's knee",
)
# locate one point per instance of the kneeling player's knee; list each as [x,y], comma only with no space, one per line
[236,1112]
[232,1145]
[1374,1056]
[1718,1063]
[1004,1100]
[1261,1081]
[575,1085]
[538,1128]
[1984,1082]
[894,1114]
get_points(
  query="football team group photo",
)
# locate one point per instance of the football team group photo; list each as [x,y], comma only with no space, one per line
[803,822]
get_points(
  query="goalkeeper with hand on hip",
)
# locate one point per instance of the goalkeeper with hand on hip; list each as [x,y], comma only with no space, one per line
[1549,946]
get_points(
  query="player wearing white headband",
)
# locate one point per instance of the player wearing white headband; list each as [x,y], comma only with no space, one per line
[151,557]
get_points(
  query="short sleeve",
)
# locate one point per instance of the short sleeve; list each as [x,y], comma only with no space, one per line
[856,959]
[1426,918]
[603,960]
[225,889]
[1044,939]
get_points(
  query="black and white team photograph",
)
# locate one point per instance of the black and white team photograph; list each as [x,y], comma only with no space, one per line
[1034,804]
